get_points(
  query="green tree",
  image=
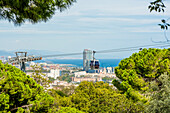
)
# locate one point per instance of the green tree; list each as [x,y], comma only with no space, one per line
[51,79]
[136,72]
[34,11]
[68,110]
[159,95]
[20,93]
[66,77]
[99,97]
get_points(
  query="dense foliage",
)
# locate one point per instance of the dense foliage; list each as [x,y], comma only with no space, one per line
[68,110]
[138,70]
[140,88]
[19,92]
[99,97]
[107,79]
[19,11]
[66,77]
[160,95]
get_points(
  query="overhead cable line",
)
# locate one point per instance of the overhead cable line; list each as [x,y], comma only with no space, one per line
[135,47]
[69,54]
[112,50]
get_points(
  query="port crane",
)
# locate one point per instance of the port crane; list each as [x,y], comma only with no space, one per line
[21,58]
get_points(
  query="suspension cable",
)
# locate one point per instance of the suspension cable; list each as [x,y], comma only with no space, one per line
[112,50]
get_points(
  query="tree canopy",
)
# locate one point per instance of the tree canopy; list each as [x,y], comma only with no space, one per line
[160,95]
[136,72]
[34,11]
[99,97]
[157,5]
[140,86]
[20,93]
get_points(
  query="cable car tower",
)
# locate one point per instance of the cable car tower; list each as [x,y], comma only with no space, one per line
[21,58]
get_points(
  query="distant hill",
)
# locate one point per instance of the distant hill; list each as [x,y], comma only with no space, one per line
[30,52]
[6,53]
[39,52]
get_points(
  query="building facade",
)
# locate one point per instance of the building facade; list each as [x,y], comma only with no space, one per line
[54,73]
[87,56]
[78,74]
[90,79]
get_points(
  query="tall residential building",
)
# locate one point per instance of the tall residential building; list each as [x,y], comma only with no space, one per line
[87,56]
[113,70]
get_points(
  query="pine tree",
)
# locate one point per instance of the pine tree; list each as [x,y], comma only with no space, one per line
[160,96]
[34,11]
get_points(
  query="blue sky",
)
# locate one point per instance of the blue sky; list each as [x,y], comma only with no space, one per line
[91,24]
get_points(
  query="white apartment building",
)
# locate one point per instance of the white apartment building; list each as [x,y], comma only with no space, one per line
[78,74]
[54,73]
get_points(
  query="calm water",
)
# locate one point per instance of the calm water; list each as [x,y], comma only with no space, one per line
[79,62]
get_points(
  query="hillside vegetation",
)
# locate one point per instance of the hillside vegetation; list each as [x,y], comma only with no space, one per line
[143,85]
[18,92]
[136,72]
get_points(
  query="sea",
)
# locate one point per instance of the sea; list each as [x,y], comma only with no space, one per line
[79,62]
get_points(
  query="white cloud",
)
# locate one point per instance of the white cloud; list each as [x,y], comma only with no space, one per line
[118,19]
[25,31]
[112,8]
[147,29]
[17,41]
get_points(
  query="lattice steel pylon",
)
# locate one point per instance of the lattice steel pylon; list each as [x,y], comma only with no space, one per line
[21,58]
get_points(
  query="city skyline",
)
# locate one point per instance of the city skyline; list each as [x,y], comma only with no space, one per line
[94,25]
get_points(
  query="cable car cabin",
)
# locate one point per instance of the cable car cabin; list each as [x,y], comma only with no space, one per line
[94,64]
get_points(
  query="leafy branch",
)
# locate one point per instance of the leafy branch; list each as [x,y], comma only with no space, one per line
[24,106]
[157,5]
[164,24]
